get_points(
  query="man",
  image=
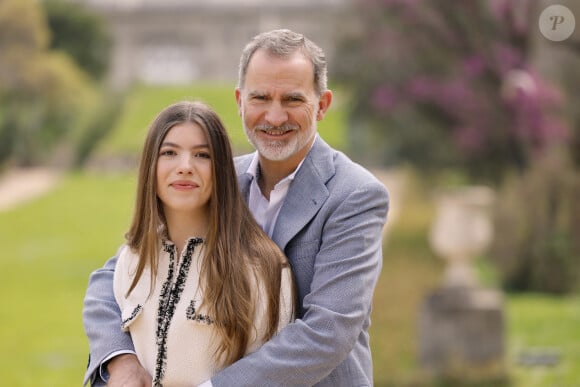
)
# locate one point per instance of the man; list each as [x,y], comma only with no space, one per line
[324,211]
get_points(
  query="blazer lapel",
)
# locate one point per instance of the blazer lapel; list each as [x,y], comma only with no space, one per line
[307,193]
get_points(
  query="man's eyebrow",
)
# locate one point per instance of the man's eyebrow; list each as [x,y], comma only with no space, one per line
[297,95]
[255,93]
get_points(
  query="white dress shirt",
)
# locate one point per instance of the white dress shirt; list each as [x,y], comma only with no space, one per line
[266,211]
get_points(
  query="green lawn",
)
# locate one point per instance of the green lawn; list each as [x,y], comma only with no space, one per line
[410,271]
[52,244]
[144,103]
[540,324]
[49,248]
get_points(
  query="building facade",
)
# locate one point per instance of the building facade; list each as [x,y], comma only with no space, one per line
[179,41]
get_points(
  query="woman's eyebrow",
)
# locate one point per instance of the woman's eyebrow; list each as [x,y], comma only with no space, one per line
[169,144]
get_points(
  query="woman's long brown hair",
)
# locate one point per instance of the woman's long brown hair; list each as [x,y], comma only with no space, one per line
[236,247]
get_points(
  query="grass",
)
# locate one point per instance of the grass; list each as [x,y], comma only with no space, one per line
[49,248]
[540,324]
[52,244]
[409,272]
[534,322]
[144,103]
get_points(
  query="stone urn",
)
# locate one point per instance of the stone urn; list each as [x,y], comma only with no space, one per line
[462,230]
[461,324]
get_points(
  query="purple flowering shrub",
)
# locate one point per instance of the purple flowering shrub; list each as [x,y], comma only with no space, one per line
[443,83]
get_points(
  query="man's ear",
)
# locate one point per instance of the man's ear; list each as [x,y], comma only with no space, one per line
[238,93]
[323,104]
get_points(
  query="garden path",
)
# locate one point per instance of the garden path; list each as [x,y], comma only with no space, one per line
[21,185]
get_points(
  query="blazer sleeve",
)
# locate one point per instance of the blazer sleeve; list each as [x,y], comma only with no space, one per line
[346,270]
[102,320]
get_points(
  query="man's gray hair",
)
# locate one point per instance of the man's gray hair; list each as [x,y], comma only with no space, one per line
[283,43]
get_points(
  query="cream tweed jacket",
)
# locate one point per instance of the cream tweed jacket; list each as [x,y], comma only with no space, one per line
[173,336]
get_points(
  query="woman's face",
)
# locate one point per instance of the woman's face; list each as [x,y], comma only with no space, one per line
[184,171]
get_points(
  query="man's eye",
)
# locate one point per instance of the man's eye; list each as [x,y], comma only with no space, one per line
[294,100]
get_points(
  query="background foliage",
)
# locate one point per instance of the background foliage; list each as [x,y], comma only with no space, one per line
[456,86]
[121,147]
[443,85]
[79,33]
[47,99]
[537,227]
[449,84]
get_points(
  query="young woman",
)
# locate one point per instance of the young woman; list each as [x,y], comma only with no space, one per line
[199,284]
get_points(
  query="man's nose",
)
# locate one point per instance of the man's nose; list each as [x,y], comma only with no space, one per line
[276,115]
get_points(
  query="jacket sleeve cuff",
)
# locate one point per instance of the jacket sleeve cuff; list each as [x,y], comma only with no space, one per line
[103,373]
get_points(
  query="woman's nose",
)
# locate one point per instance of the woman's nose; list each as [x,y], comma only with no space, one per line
[185,165]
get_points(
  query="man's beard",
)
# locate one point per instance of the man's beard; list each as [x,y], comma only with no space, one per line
[277,150]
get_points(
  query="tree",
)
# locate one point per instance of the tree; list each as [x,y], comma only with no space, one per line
[42,93]
[455,84]
[80,33]
[443,83]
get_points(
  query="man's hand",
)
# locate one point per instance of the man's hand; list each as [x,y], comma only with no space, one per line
[126,371]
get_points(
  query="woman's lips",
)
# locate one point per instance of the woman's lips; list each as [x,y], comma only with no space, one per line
[184,185]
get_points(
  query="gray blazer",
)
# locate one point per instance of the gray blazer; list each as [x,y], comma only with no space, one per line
[330,228]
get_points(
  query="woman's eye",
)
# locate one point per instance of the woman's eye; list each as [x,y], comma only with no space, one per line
[202,155]
[167,152]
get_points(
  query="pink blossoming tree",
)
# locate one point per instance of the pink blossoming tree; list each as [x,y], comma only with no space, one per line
[449,84]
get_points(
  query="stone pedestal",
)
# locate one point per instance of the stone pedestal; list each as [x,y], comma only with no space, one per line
[461,333]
